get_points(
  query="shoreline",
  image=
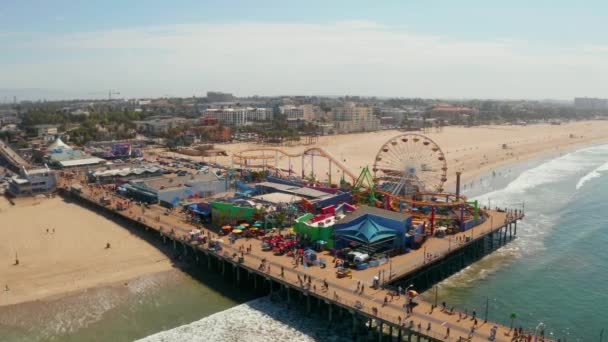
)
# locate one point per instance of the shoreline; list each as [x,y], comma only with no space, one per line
[72,255]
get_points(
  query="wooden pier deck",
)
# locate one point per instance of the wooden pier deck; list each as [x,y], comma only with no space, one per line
[389,319]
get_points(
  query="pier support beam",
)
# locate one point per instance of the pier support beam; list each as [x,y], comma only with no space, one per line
[307,303]
[515,228]
[288,295]
[354,322]
[379,328]
[329,311]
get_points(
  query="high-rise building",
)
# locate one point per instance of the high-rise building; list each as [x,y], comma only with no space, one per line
[352,118]
[240,115]
[304,112]
[216,96]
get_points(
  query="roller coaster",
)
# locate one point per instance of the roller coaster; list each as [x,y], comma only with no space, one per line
[270,158]
[408,176]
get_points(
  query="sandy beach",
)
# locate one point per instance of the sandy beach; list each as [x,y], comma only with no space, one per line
[72,258]
[472,150]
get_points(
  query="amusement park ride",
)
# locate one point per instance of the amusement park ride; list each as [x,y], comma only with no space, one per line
[408,175]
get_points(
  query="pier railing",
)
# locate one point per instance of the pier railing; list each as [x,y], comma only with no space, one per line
[368,304]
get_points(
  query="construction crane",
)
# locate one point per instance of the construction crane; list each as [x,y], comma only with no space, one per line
[112,92]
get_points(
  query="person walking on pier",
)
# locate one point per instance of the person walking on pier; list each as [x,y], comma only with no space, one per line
[428,328]
[447,332]
[282,272]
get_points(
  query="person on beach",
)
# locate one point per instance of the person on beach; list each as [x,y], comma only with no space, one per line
[428,328]
[6,288]
[447,332]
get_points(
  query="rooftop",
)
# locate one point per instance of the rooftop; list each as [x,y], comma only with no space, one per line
[296,190]
[364,210]
[166,183]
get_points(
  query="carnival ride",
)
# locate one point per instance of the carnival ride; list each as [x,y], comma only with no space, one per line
[409,175]
[268,158]
[410,163]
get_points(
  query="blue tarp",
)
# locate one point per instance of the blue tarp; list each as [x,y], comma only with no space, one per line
[244,189]
[200,208]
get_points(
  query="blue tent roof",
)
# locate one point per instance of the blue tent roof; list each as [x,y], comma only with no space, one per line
[370,229]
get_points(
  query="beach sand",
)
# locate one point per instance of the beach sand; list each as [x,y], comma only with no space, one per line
[471,150]
[71,259]
[74,257]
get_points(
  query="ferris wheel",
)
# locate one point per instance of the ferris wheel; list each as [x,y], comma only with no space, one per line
[409,164]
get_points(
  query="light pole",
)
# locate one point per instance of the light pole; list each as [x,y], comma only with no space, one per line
[424,251]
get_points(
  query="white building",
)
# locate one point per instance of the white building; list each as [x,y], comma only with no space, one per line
[351,118]
[238,116]
[303,112]
[32,182]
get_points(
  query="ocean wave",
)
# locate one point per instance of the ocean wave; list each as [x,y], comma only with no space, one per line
[597,172]
[259,320]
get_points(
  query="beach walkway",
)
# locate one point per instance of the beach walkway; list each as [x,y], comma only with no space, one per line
[281,269]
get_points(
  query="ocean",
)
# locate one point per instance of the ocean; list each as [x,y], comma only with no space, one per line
[555,272]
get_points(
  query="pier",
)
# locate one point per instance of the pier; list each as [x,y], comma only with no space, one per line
[436,260]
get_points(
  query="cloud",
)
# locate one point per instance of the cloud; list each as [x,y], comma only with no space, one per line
[352,57]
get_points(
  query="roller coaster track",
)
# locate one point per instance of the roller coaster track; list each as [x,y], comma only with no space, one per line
[238,157]
[395,203]
[12,157]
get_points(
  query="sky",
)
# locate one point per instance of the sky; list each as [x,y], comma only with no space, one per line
[497,49]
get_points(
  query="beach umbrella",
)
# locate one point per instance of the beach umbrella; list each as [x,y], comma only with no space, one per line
[226,227]
[258,224]
[245,224]
[241,227]
[412,293]
[254,229]
[237,231]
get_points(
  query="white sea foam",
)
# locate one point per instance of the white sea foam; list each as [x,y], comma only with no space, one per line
[259,320]
[591,175]
[540,212]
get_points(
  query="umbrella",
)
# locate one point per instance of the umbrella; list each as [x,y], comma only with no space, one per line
[253,229]
[241,227]
[257,224]
[237,231]
[245,224]
[226,227]
[412,293]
